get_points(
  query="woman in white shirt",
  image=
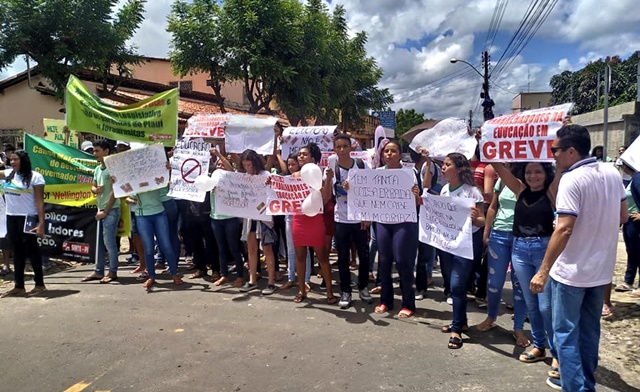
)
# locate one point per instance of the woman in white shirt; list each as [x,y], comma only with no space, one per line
[24,195]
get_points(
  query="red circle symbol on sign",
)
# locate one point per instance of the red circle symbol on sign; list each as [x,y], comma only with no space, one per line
[189,166]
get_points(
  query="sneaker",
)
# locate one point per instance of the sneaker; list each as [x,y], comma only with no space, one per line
[133,259]
[345,300]
[365,295]
[420,295]
[270,289]
[248,287]
[450,301]
[353,283]
[623,287]
[554,383]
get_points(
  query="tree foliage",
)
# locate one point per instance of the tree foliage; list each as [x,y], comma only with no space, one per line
[299,55]
[407,119]
[65,36]
[581,86]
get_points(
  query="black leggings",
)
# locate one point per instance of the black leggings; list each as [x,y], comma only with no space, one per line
[24,245]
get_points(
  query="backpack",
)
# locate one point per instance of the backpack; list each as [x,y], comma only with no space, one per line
[336,170]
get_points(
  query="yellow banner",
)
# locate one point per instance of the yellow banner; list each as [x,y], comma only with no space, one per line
[54,131]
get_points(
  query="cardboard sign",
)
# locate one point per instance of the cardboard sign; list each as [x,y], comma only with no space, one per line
[383,196]
[447,136]
[329,158]
[286,195]
[242,195]
[137,171]
[206,125]
[249,132]
[190,159]
[54,131]
[526,136]
[445,223]
[631,156]
[294,138]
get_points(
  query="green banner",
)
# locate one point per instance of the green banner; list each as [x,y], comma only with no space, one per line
[67,171]
[152,120]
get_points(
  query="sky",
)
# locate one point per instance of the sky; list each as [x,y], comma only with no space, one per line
[413,42]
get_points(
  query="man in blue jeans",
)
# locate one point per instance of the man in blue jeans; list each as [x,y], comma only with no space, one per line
[591,205]
[108,216]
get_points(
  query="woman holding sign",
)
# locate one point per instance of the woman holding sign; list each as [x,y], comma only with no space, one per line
[455,269]
[24,194]
[533,224]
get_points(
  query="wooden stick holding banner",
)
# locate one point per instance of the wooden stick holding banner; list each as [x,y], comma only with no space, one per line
[383,196]
[445,223]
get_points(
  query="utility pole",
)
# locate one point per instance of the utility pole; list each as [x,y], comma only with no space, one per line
[638,82]
[605,123]
[598,92]
[487,103]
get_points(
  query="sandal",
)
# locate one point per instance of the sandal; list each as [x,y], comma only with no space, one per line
[287,285]
[521,339]
[455,342]
[148,283]
[376,290]
[239,282]
[92,277]
[607,310]
[447,328]
[36,290]
[486,326]
[405,313]
[554,372]
[220,281]
[137,269]
[13,292]
[530,358]
[197,275]
[382,308]
[177,280]
[109,278]
[142,276]
[332,300]
[299,297]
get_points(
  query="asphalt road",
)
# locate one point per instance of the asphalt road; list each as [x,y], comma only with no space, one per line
[118,337]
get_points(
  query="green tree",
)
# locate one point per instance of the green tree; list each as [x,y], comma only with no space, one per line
[65,36]
[407,119]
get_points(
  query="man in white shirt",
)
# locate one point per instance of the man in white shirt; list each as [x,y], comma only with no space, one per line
[591,204]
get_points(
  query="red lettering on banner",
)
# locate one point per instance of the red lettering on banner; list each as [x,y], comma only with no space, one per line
[520,149]
[489,150]
[504,149]
[285,206]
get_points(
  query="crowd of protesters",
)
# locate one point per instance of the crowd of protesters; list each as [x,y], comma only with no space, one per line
[531,220]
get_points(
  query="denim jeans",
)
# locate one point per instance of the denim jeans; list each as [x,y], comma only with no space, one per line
[576,333]
[527,256]
[107,229]
[291,255]
[631,234]
[346,233]
[446,265]
[397,243]
[171,209]
[227,233]
[499,253]
[156,225]
[424,265]
[459,271]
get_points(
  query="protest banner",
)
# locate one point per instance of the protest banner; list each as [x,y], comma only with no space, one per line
[448,135]
[190,159]
[67,171]
[152,120]
[70,233]
[54,132]
[206,125]
[250,132]
[330,156]
[3,217]
[293,138]
[286,195]
[631,155]
[525,136]
[242,195]
[137,171]
[445,223]
[383,196]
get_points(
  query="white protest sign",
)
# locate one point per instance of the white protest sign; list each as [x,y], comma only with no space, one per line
[330,156]
[249,132]
[286,195]
[206,125]
[447,136]
[242,195]
[293,138]
[526,136]
[190,159]
[383,196]
[136,171]
[445,223]
[3,218]
[631,156]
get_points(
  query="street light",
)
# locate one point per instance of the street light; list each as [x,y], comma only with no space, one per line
[487,103]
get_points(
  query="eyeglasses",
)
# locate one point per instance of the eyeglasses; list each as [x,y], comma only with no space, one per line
[554,150]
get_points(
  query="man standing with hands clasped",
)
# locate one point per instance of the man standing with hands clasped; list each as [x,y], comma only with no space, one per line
[108,216]
[580,258]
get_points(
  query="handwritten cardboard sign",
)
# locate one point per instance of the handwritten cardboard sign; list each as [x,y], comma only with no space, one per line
[525,136]
[631,156]
[445,223]
[286,195]
[137,171]
[242,195]
[249,132]
[383,196]
[294,138]
[190,159]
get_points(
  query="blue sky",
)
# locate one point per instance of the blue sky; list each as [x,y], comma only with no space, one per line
[413,41]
